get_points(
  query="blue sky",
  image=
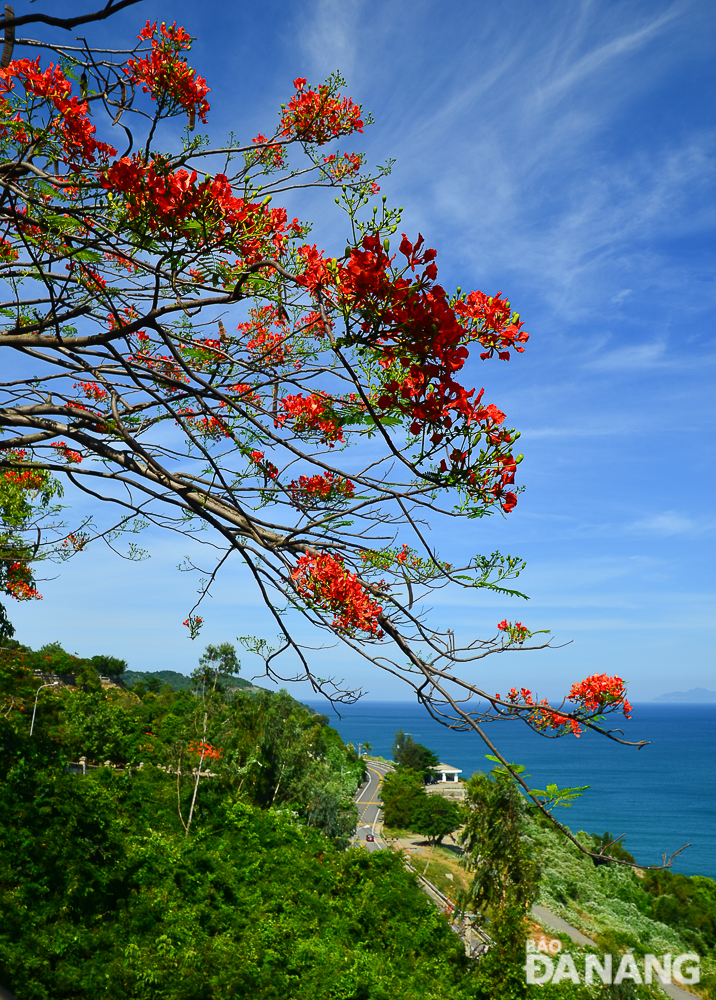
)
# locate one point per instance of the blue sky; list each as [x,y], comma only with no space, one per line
[563,153]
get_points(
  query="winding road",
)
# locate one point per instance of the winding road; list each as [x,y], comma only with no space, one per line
[370,820]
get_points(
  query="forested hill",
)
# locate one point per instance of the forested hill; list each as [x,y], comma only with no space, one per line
[142,879]
[177,681]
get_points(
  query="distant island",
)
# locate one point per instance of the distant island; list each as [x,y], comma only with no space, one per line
[694,695]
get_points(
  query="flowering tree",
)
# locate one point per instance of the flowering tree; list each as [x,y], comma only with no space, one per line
[175,345]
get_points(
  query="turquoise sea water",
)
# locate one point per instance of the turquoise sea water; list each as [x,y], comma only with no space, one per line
[661,796]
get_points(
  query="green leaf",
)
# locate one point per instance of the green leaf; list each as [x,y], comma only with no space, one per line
[554,796]
[63,222]
[517,768]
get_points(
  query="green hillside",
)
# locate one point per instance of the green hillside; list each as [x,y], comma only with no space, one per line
[177,681]
[143,880]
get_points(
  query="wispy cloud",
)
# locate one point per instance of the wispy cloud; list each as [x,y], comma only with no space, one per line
[632,358]
[329,35]
[532,167]
[671,523]
[598,60]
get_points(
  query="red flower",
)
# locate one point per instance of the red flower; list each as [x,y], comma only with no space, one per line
[163,200]
[268,468]
[268,346]
[92,391]
[19,583]
[324,582]
[204,749]
[311,415]
[271,155]
[598,691]
[339,169]
[194,624]
[421,343]
[516,632]
[72,127]
[317,116]
[66,452]
[166,77]
[312,491]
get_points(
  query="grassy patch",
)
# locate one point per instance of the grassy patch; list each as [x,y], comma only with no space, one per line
[436,863]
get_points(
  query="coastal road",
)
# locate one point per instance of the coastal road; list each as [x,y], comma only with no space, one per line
[370,820]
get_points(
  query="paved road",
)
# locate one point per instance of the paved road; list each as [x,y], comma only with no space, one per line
[370,820]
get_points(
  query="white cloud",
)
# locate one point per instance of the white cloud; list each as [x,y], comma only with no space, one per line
[670,523]
[602,55]
[632,358]
[329,36]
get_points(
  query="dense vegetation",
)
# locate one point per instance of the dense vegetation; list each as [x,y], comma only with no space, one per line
[154,680]
[144,880]
[111,887]
[53,659]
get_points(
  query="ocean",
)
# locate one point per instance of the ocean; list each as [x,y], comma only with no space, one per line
[660,797]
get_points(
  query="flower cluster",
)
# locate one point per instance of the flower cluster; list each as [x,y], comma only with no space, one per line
[271,155]
[515,631]
[165,76]
[312,414]
[194,624]
[73,128]
[31,480]
[203,749]
[341,167]
[91,390]
[19,583]
[490,320]
[421,344]
[413,325]
[267,335]
[210,427]
[594,695]
[87,276]
[268,469]
[318,116]
[539,717]
[324,582]
[163,366]
[316,491]
[8,252]
[246,395]
[163,200]
[598,691]
[66,452]
[76,540]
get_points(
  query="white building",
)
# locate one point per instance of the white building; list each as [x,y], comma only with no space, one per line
[446,773]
